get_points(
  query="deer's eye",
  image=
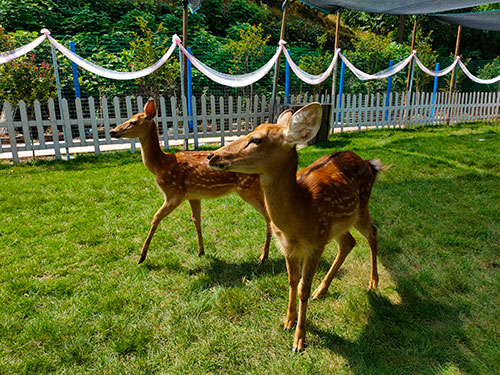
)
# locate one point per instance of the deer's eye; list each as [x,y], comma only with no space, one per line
[257,141]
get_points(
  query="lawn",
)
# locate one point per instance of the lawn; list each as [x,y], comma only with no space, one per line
[73,299]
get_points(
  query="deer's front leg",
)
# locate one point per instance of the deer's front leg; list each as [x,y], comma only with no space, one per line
[308,270]
[292,266]
[168,206]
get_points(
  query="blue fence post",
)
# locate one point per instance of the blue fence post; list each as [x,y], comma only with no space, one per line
[389,86]
[190,91]
[341,85]
[287,82]
[434,91]
[75,71]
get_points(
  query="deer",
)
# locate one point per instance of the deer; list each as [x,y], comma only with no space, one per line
[187,175]
[309,207]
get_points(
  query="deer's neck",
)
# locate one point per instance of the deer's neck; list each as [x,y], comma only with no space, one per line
[285,199]
[152,155]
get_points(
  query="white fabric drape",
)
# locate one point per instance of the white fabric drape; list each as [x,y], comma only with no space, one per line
[439,73]
[238,80]
[310,78]
[241,79]
[474,78]
[18,52]
[380,75]
[103,72]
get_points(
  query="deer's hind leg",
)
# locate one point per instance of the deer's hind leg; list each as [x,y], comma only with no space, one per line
[168,206]
[196,217]
[346,242]
[365,226]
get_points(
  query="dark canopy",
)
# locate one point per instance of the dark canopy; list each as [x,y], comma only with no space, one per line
[489,20]
[395,7]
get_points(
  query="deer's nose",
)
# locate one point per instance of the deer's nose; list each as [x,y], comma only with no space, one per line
[210,156]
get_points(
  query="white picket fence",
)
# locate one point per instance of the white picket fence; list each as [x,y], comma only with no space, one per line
[378,111]
[85,125]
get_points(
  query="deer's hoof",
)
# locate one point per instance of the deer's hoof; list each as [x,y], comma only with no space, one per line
[318,293]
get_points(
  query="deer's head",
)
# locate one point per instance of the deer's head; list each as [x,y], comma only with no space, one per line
[268,145]
[137,126]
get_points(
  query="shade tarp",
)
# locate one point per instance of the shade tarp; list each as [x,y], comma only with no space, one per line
[489,20]
[395,7]
[194,5]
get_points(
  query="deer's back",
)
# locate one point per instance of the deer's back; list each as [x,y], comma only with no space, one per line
[339,187]
[340,170]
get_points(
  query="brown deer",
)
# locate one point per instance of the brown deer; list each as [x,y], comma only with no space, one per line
[187,175]
[310,207]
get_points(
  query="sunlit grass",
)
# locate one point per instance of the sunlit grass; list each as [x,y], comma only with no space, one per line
[73,299]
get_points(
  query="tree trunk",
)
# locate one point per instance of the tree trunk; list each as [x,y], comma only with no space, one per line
[401,31]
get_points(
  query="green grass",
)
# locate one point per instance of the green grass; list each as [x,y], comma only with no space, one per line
[73,299]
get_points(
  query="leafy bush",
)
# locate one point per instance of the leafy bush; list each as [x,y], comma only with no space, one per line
[24,78]
[491,70]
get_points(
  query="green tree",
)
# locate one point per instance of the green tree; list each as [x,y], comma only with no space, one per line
[317,63]
[147,48]
[247,49]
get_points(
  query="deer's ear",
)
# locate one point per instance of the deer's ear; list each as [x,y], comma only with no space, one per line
[150,109]
[304,124]
[285,117]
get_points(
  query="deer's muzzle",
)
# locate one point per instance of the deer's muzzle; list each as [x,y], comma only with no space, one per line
[216,162]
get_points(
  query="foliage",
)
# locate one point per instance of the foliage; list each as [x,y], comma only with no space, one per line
[103,31]
[247,49]
[317,63]
[147,50]
[428,57]
[382,24]
[304,33]
[460,80]
[371,53]
[491,70]
[63,16]
[24,78]
[241,10]
[74,301]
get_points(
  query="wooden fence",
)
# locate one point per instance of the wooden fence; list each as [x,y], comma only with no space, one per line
[79,125]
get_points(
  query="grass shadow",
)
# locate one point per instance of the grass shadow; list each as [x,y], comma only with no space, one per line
[220,272]
[436,256]
[79,162]
[335,143]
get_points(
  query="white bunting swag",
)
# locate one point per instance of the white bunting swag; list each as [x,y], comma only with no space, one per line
[241,79]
